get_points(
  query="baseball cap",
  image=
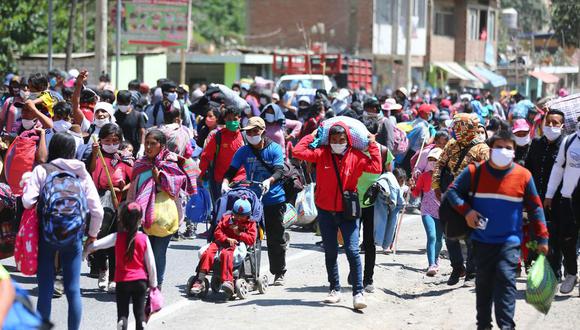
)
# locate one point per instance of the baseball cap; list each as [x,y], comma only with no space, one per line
[520,125]
[391,104]
[445,103]
[425,108]
[255,122]
[242,207]
[304,98]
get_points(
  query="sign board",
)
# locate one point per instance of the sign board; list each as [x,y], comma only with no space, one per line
[161,23]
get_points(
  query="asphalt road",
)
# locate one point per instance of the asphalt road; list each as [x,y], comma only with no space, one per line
[404,298]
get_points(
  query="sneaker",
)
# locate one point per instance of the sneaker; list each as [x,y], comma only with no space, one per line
[112,287]
[278,280]
[455,275]
[188,234]
[58,287]
[369,288]
[568,284]
[469,280]
[333,297]
[432,270]
[197,287]
[358,301]
[228,288]
[103,280]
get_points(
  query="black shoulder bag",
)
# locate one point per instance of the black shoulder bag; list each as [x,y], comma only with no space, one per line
[454,223]
[350,202]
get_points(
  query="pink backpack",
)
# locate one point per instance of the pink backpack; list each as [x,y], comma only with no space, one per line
[26,245]
[400,142]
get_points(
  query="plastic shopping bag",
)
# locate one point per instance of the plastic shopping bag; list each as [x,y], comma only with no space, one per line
[305,207]
[541,285]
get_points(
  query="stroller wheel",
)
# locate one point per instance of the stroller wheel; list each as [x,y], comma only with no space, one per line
[242,288]
[263,284]
[205,291]
[215,283]
[190,282]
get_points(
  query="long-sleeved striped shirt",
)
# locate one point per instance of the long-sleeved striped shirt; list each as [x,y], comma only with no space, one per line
[501,196]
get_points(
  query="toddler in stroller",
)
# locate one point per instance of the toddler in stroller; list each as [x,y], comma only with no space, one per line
[235,237]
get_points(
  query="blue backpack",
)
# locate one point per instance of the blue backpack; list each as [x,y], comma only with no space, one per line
[62,207]
[22,315]
[199,206]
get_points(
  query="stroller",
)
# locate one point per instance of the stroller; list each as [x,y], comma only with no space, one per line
[247,272]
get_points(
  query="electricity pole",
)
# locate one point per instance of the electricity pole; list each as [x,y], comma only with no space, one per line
[408,35]
[101,36]
[50,12]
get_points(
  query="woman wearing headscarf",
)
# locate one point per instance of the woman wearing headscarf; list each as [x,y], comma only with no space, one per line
[465,148]
[277,124]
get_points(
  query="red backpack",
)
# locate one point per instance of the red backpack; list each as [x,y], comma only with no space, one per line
[19,159]
[26,245]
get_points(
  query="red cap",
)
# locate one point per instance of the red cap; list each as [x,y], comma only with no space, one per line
[445,103]
[425,108]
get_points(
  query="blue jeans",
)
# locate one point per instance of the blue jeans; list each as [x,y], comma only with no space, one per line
[495,283]
[329,223]
[159,246]
[434,231]
[70,258]
[456,256]
[385,226]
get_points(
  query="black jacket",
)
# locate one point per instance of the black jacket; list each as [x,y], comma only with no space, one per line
[540,160]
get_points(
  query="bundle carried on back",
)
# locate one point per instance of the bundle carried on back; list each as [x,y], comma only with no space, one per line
[359,134]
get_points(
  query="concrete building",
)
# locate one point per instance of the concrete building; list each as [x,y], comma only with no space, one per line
[445,33]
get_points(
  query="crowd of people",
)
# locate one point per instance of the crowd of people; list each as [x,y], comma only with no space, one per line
[134,157]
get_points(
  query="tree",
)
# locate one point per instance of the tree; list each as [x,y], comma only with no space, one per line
[24,29]
[219,21]
[566,22]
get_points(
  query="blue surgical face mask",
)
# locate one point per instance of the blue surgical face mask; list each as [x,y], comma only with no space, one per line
[52,82]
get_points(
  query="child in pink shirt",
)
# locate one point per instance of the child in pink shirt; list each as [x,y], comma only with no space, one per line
[135,265]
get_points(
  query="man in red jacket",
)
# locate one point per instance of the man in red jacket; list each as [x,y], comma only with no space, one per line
[350,163]
[233,229]
[216,159]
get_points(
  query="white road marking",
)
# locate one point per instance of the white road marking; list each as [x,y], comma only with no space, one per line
[184,302]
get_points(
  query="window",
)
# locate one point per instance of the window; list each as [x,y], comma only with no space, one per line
[384,11]
[481,24]
[491,26]
[419,14]
[444,24]
[473,26]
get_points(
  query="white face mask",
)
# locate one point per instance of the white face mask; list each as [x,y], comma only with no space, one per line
[172,97]
[28,123]
[269,117]
[101,122]
[338,148]
[33,95]
[370,115]
[123,108]
[552,133]
[62,126]
[110,148]
[522,141]
[24,95]
[254,140]
[502,157]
